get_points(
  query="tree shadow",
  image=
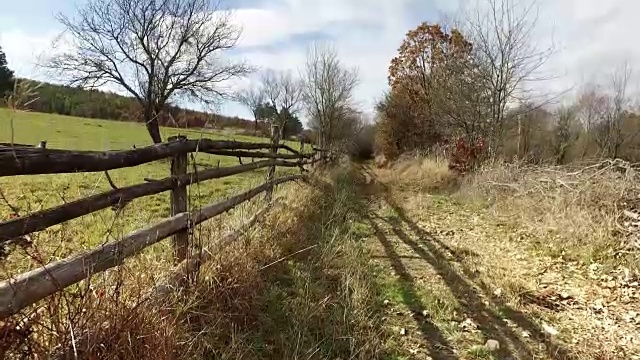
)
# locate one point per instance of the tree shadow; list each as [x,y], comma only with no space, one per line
[474,300]
[440,347]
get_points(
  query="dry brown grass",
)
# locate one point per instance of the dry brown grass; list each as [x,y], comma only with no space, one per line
[296,286]
[91,322]
[520,248]
[419,174]
[575,212]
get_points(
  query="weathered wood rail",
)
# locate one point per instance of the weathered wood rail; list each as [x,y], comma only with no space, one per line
[32,161]
[28,288]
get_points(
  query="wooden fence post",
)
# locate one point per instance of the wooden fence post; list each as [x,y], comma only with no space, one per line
[179,202]
[275,140]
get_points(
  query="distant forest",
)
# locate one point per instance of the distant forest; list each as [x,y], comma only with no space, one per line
[76,101]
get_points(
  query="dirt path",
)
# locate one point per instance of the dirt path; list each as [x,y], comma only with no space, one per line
[458,287]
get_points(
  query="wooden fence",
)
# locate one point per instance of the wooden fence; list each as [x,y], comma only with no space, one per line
[28,288]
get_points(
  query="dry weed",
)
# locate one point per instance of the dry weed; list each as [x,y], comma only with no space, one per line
[570,211]
[296,285]
[87,322]
[420,174]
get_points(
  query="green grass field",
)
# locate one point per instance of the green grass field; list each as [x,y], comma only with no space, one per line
[33,193]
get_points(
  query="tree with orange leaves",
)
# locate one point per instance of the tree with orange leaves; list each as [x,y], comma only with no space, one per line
[433,95]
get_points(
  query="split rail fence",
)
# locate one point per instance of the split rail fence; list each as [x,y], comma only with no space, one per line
[28,288]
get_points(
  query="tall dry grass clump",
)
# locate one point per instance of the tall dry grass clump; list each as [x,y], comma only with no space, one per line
[87,322]
[416,173]
[577,212]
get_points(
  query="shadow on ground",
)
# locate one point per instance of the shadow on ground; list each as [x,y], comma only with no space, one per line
[475,299]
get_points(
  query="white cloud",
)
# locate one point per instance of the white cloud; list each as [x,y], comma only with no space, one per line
[592,37]
[352,25]
[25,50]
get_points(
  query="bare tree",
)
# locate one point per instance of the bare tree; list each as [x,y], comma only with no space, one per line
[284,94]
[526,127]
[155,50]
[345,131]
[328,92]
[509,59]
[565,133]
[459,97]
[253,99]
[609,134]
[591,107]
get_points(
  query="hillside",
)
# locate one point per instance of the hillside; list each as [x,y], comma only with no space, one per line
[61,131]
[84,103]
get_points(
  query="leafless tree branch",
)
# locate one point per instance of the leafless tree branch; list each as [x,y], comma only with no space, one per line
[509,58]
[328,93]
[154,50]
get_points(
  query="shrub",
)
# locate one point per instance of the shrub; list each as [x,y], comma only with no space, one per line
[574,211]
[466,156]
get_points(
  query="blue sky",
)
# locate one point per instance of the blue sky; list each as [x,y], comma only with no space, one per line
[591,36]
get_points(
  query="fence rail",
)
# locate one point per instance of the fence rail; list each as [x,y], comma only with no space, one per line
[43,219]
[28,288]
[23,160]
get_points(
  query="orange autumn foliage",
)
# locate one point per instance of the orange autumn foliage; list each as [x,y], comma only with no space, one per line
[410,113]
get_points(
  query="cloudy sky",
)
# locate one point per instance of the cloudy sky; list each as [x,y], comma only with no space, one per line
[591,37]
